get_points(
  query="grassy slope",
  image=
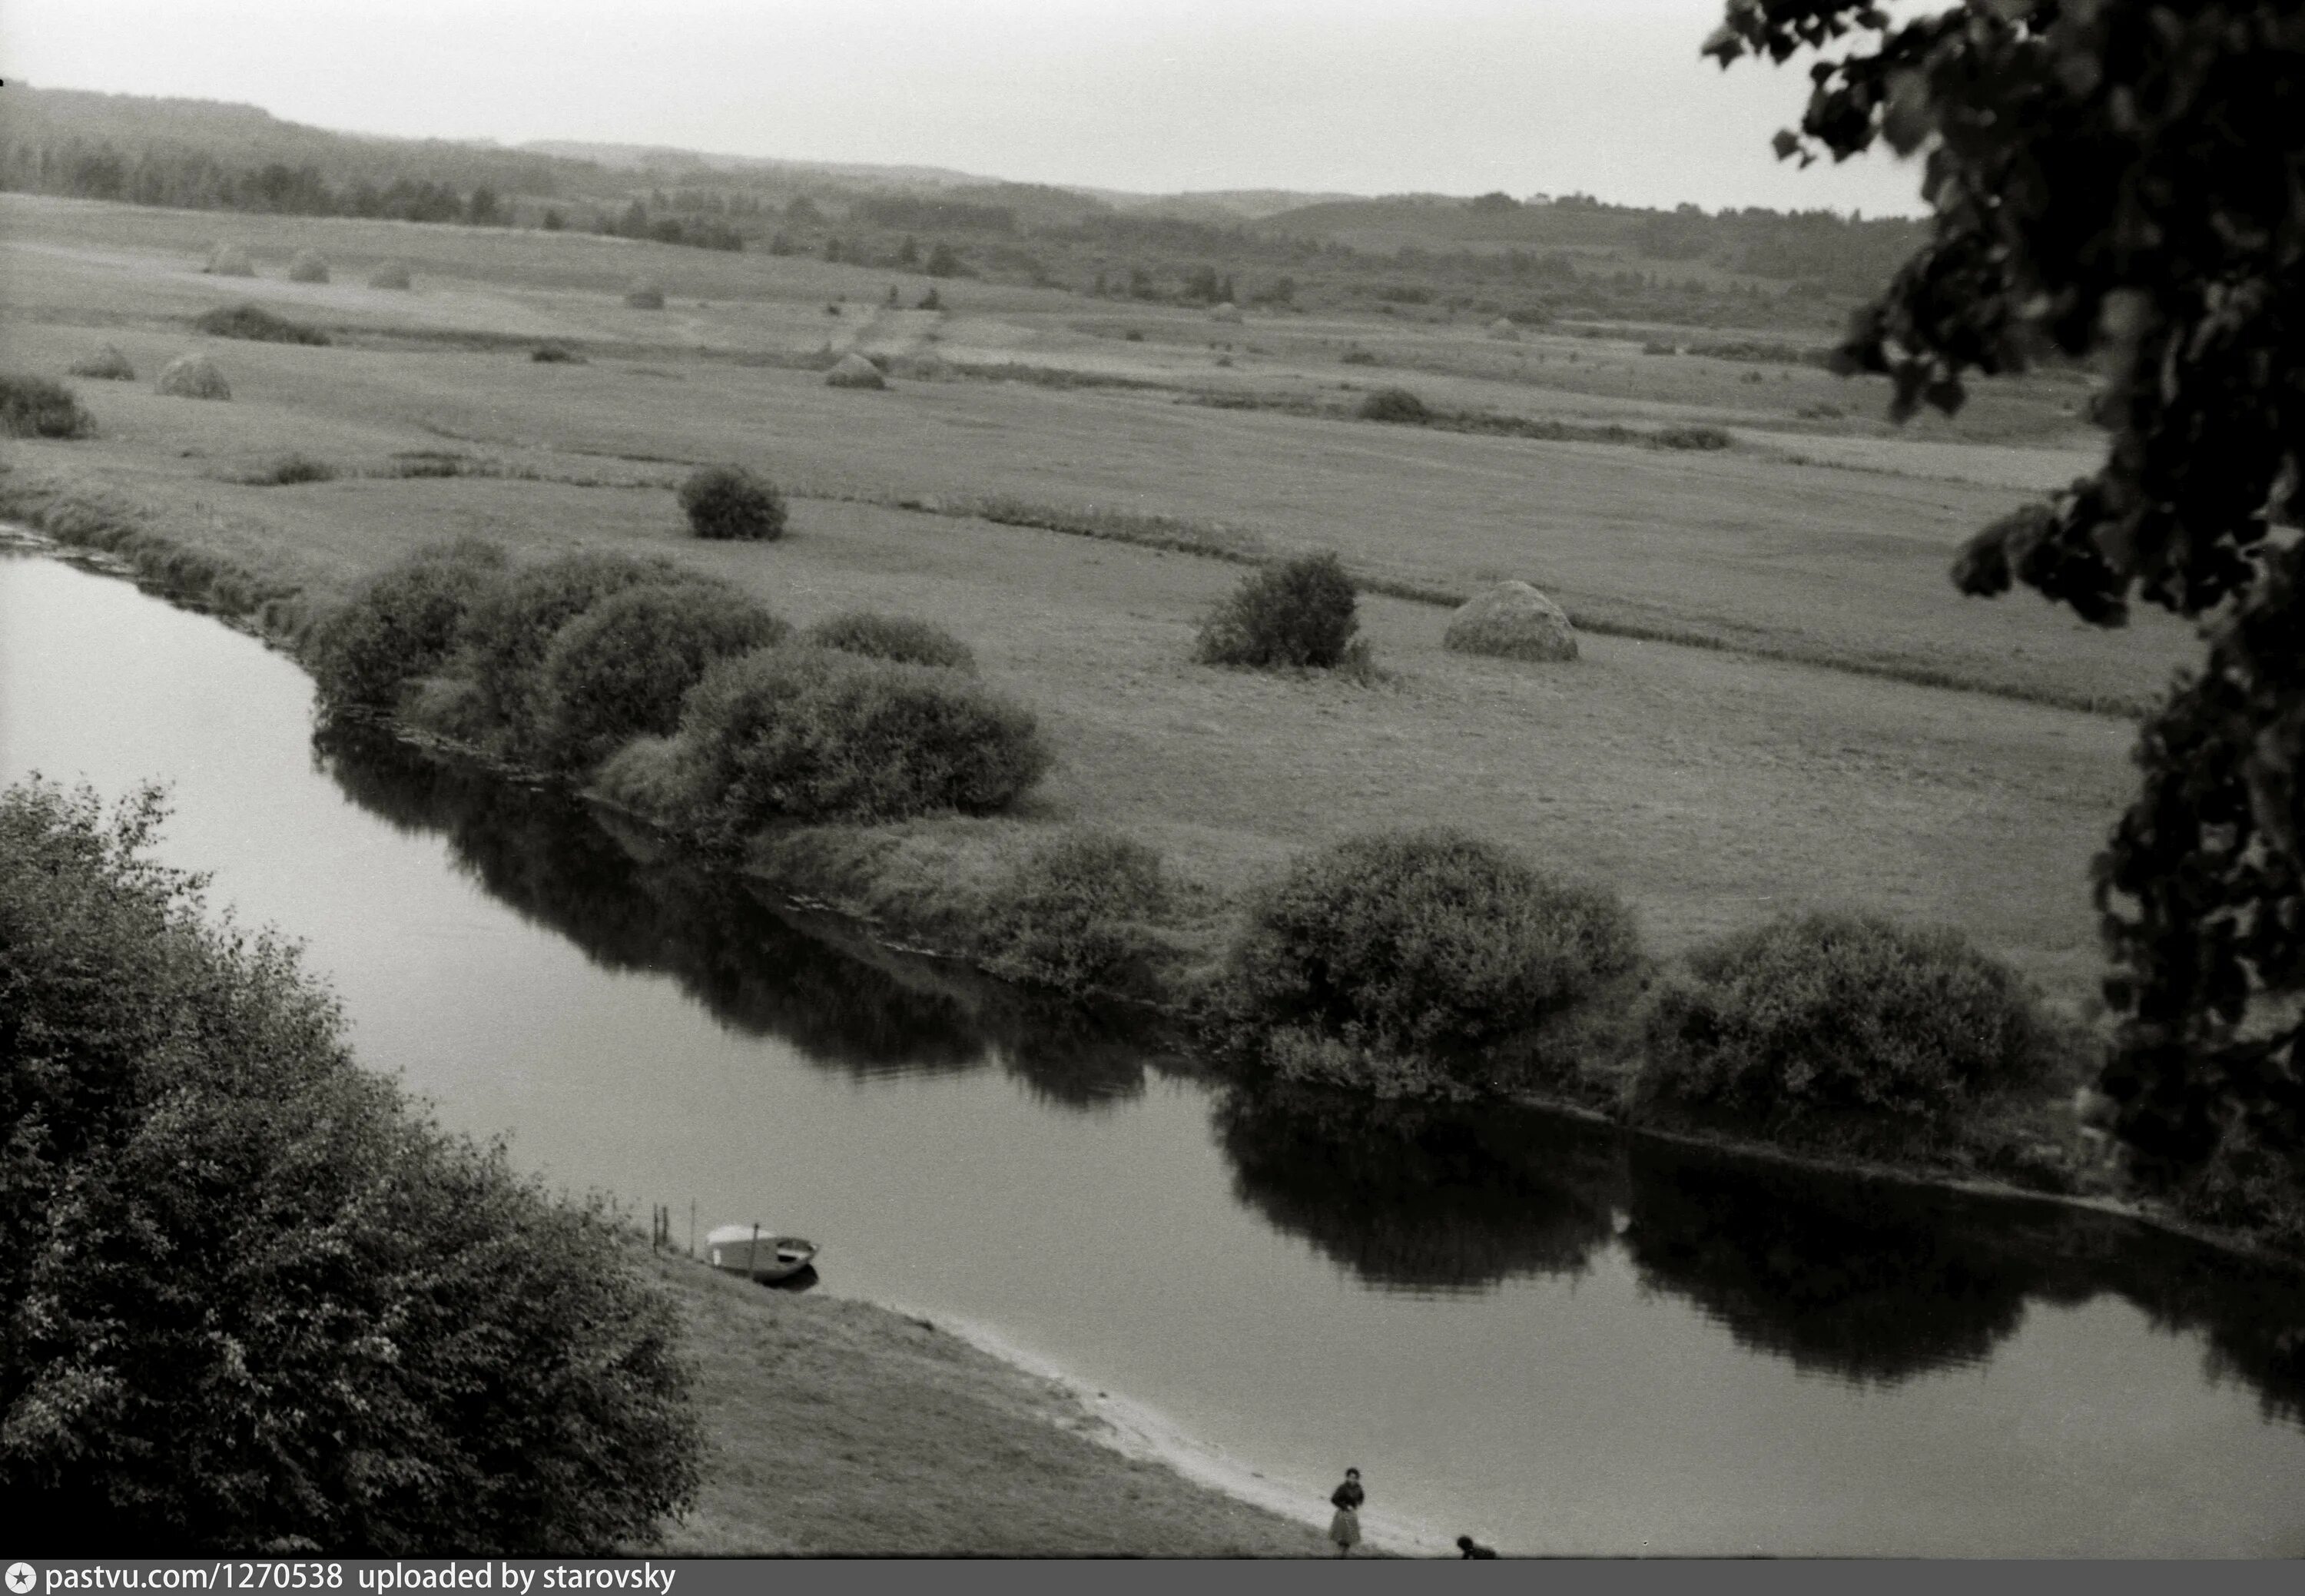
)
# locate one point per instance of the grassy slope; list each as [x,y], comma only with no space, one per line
[839,1427]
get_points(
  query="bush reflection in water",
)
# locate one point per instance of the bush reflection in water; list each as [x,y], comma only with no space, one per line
[1868,1281]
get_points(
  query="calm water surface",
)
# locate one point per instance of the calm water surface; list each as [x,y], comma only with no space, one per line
[1507,1324]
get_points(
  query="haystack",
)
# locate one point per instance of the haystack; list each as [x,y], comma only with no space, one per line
[644,295]
[855,372]
[1226,312]
[106,362]
[1502,328]
[1514,621]
[310,266]
[192,377]
[392,274]
[229,261]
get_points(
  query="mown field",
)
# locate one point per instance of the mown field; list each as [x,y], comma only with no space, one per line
[1794,758]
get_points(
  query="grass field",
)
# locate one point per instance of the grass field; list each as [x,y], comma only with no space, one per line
[835,1428]
[1713,785]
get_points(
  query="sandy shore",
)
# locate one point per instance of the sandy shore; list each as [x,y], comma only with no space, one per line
[1140,1431]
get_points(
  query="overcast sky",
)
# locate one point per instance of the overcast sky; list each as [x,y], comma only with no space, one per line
[1606,97]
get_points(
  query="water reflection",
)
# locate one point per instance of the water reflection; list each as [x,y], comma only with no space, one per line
[1413,1197]
[1869,1282]
[629,903]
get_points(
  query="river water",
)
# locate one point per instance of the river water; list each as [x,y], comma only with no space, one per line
[1511,1325]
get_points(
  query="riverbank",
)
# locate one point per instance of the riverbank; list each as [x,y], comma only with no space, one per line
[917,885]
[840,1428]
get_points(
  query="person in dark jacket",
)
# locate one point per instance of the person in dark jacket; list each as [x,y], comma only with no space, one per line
[1344,1529]
[1467,1546]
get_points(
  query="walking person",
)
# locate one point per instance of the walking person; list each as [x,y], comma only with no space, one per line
[1344,1529]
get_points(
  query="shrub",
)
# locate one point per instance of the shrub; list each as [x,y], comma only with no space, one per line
[399,624]
[1077,914]
[36,407]
[1362,357]
[1423,944]
[256,1299]
[192,377]
[1819,1015]
[510,625]
[809,734]
[107,363]
[644,295]
[229,261]
[255,322]
[391,273]
[621,667]
[1300,613]
[308,266]
[898,637]
[290,469]
[1394,404]
[556,354]
[729,502]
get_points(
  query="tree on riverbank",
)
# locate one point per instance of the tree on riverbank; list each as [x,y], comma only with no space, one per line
[2118,181]
[254,1300]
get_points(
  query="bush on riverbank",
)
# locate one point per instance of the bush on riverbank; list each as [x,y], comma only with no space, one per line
[255,322]
[802,733]
[256,1300]
[1079,914]
[1393,955]
[620,669]
[728,503]
[36,407]
[399,624]
[1815,1019]
[898,637]
[511,623]
[1298,614]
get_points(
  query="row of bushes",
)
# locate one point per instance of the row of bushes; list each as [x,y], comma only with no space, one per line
[686,698]
[257,1301]
[1410,962]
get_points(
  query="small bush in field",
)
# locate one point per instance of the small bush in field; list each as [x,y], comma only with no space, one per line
[807,733]
[1300,613]
[1427,943]
[505,635]
[1394,404]
[36,407]
[547,354]
[1357,357]
[308,266]
[729,502]
[1076,913]
[621,669]
[898,637]
[400,624]
[1828,1014]
[259,324]
[290,469]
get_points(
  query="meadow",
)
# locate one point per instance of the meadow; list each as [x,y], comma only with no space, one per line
[1750,729]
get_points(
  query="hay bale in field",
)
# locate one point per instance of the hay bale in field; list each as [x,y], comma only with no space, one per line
[229,261]
[308,266]
[644,295]
[192,377]
[1502,328]
[1513,622]
[392,274]
[853,370]
[1226,312]
[106,362]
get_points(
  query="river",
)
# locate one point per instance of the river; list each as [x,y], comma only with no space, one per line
[1539,1331]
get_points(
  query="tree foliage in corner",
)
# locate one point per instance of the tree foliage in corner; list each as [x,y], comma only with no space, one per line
[2126,180]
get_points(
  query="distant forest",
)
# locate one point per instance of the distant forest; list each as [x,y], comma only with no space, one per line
[1423,256]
